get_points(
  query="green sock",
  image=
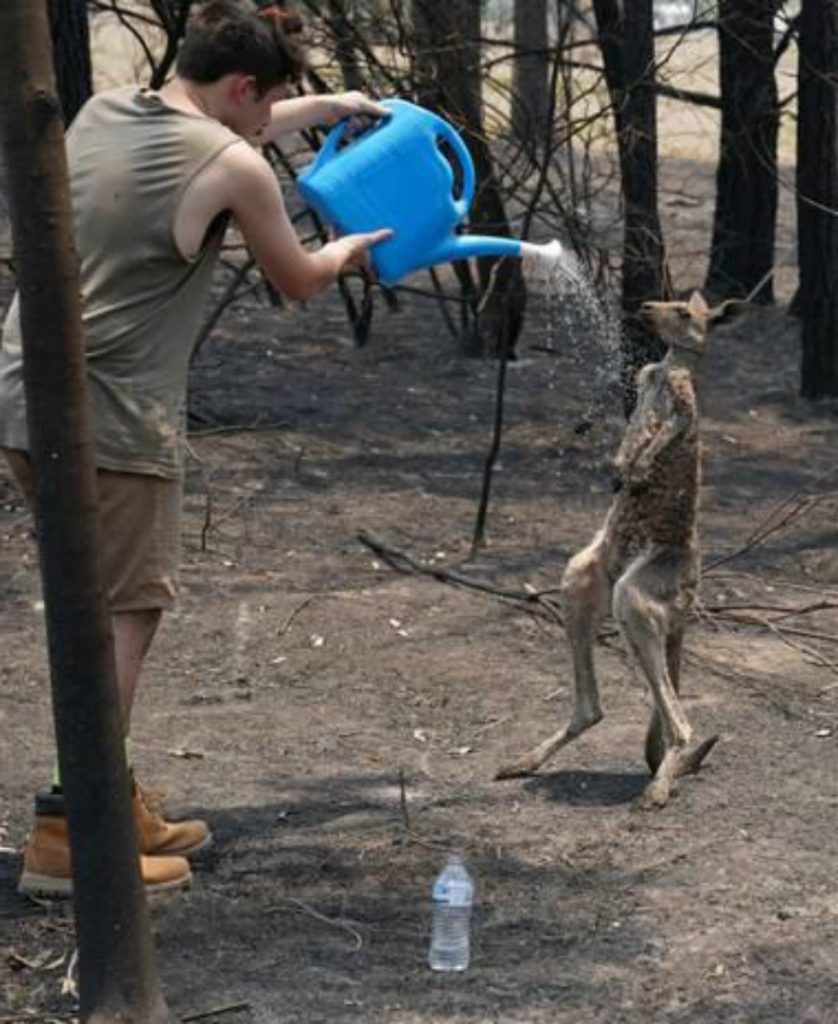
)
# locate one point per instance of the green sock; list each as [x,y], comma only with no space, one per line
[56,770]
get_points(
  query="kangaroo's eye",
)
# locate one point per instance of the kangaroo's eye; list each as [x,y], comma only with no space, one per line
[683,314]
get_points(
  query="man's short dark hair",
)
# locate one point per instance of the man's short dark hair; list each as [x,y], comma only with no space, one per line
[227,36]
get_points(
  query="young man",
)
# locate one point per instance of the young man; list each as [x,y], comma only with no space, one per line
[155,177]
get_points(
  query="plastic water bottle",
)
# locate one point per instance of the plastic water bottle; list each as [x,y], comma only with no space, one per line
[453,894]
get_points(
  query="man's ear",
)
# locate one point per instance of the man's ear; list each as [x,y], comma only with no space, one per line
[728,310]
[697,306]
[240,86]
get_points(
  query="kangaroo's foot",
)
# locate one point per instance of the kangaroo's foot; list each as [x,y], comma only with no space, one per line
[677,761]
[529,763]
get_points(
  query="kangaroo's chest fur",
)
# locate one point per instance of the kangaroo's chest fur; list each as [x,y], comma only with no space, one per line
[658,466]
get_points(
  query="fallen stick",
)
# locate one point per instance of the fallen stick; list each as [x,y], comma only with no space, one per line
[216,1011]
[402,562]
[335,922]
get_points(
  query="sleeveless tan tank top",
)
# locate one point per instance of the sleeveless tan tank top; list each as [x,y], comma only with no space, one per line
[131,158]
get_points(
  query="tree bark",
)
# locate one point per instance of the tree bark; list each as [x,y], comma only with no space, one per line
[116,964]
[71,54]
[530,74]
[449,81]
[345,50]
[173,15]
[817,196]
[746,181]
[626,41]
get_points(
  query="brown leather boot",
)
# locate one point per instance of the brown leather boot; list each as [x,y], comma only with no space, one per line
[157,836]
[46,859]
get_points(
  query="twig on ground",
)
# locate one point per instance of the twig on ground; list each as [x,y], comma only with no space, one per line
[810,588]
[37,1018]
[537,602]
[258,426]
[206,526]
[792,507]
[234,507]
[215,1011]
[784,611]
[283,629]
[766,623]
[69,985]
[749,680]
[804,649]
[335,922]
[429,844]
[403,801]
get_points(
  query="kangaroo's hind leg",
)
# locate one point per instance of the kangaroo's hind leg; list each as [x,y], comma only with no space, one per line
[655,745]
[586,593]
[646,605]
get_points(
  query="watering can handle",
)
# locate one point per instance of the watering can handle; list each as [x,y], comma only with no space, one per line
[453,138]
[330,145]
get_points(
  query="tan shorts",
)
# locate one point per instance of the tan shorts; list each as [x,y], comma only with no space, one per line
[139,521]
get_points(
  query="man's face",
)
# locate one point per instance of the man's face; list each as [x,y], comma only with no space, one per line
[251,112]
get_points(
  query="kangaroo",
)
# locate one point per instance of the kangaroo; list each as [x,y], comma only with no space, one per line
[644,562]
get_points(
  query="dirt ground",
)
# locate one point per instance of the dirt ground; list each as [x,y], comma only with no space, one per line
[302,677]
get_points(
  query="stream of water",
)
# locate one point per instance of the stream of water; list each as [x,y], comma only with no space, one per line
[579,324]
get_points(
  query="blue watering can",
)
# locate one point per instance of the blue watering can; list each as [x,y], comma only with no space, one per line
[395,175]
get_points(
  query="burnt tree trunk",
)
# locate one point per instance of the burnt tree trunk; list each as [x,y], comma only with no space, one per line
[172,15]
[71,54]
[449,77]
[117,976]
[627,44]
[345,49]
[817,196]
[531,74]
[746,181]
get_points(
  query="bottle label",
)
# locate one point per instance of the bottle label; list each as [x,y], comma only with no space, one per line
[452,893]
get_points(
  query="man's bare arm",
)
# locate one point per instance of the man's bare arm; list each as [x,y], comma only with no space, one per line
[294,115]
[251,192]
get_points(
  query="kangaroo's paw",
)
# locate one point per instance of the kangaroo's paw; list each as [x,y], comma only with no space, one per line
[690,759]
[676,763]
[526,764]
[655,795]
[529,763]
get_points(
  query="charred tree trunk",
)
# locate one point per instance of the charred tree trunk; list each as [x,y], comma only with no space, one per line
[173,15]
[118,981]
[817,196]
[449,73]
[531,74]
[746,181]
[71,54]
[344,47]
[627,44]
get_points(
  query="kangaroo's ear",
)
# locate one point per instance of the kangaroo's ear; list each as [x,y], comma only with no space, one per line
[727,311]
[697,306]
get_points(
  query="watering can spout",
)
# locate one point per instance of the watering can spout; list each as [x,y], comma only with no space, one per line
[540,261]
[465,247]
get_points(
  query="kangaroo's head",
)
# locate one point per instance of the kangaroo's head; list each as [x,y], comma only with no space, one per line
[683,326]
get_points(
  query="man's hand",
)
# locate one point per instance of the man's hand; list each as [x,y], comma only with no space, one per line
[357,247]
[351,104]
